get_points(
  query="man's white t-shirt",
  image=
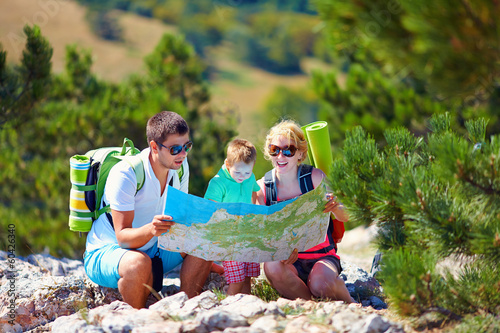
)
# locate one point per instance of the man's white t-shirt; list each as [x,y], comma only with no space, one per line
[120,194]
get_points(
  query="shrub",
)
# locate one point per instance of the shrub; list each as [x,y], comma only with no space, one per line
[434,200]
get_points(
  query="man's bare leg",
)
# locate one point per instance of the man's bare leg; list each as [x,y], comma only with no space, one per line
[217,269]
[135,271]
[193,275]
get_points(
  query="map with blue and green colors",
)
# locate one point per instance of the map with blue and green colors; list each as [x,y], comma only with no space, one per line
[244,232]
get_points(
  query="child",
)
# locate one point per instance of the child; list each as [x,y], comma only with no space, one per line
[235,182]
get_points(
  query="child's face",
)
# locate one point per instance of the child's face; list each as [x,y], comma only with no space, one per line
[240,171]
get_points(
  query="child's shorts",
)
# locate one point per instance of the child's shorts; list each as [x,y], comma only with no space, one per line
[235,271]
[305,266]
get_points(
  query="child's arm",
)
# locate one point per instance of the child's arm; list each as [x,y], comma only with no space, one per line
[259,198]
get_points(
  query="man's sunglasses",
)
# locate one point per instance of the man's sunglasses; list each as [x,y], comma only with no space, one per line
[287,151]
[176,149]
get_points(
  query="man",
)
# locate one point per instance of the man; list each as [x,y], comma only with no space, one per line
[119,254]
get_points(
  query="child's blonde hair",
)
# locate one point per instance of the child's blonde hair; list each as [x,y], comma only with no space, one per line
[241,150]
[290,130]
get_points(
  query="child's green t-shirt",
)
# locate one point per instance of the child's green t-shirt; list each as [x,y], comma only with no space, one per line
[223,188]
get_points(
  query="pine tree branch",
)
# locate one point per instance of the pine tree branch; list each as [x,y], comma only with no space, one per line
[487,190]
[461,175]
[8,109]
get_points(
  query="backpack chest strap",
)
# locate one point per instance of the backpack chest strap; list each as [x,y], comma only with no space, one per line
[305,178]
[270,185]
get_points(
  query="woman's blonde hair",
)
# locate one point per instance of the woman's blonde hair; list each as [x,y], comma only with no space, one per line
[290,130]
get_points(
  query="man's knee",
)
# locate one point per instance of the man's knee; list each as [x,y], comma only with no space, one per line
[194,271]
[192,262]
[135,263]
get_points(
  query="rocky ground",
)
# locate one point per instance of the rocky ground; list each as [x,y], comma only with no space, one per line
[55,295]
[357,247]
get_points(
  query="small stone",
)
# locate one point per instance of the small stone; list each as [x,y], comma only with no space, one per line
[242,330]
[193,326]
[214,281]
[46,262]
[309,305]
[377,303]
[265,323]
[273,309]
[220,320]
[204,301]
[245,305]
[170,304]
[375,324]
[8,328]
[283,302]
[302,325]
[163,327]
[347,321]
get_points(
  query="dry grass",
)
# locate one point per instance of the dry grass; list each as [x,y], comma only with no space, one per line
[63,23]
[246,88]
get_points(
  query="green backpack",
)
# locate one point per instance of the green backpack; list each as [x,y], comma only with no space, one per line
[88,175]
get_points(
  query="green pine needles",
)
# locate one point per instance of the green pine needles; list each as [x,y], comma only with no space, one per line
[436,201]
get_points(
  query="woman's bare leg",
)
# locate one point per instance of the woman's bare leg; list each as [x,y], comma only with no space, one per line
[285,279]
[324,281]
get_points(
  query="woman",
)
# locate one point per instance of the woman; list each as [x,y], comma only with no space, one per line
[314,272]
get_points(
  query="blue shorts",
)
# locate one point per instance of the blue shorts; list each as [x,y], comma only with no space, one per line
[101,265]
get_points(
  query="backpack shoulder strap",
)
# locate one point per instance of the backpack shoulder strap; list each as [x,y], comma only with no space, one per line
[180,174]
[270,184]
[136,164]
[305,178]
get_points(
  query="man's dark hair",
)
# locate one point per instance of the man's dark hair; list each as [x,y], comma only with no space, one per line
[163,124]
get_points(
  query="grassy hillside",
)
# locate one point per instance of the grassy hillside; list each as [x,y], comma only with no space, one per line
[242,87]
[246,88]
[64,23]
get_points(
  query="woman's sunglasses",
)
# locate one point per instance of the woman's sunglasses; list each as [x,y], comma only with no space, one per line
[287,151]
[176,149]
